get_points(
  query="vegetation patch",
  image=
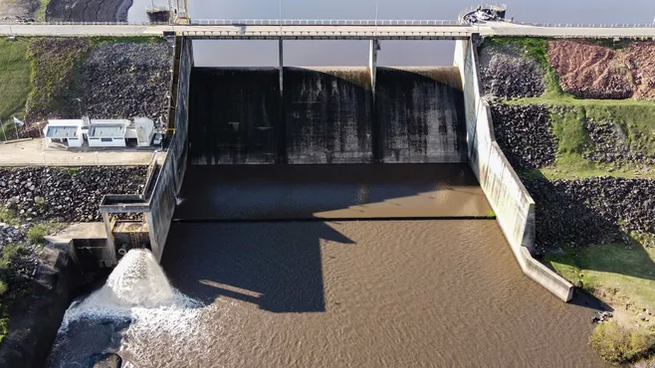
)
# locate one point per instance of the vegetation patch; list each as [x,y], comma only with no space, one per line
[617,344]
[56,64]
[535,49]
[15,84]
[39,15]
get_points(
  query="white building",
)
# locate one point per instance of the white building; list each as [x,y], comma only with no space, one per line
[101,132]
[69,132]
[145,131]
[108,133]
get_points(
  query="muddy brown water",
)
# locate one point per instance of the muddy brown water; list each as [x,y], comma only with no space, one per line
[353,191]
[299,288]
[428,293]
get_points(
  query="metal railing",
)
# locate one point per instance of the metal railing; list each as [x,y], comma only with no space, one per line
[328,22]
[323,22]
[39,23]
[593,25]
[327,34]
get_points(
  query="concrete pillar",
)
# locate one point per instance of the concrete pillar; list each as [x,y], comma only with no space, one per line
[373,61]
[281,128]
[376,130]
[281,63]
[110,257]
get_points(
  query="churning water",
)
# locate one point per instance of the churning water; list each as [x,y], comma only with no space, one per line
[136,300]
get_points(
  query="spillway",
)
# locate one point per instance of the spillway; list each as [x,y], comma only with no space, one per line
[326,116]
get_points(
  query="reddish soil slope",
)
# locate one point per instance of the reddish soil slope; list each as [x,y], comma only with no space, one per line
[592,71]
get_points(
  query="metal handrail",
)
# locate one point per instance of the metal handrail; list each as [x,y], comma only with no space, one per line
[327,22]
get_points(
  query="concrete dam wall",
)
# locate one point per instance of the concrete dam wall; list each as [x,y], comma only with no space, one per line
[326,115]
[420,112]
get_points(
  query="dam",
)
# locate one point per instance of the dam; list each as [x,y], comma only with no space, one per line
[358,216]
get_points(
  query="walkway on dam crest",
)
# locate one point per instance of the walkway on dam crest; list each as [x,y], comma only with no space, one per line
[398,32]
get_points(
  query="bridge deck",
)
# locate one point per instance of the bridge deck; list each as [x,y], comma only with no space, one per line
[398,32]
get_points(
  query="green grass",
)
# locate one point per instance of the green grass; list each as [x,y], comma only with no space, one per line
[8,216]
[36,234]
[613,272]
[8,131]
[15,84]
[40,12]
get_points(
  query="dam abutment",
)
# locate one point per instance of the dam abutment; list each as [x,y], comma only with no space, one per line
[510,200]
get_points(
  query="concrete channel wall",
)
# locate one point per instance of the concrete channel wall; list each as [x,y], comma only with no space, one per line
[163,200]
[513,205]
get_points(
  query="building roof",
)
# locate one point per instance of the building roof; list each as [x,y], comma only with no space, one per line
[108,128]
[61,131]
[65,122]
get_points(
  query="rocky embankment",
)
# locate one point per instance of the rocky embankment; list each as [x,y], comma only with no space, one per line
[591,211]
[18,10]
[610,145]
[88,10]
[580,212]
[124,80]
[525,135]
[65,194]
[104,79]
[507,73]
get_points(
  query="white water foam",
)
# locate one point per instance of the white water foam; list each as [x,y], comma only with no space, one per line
[138,289]
[137,283]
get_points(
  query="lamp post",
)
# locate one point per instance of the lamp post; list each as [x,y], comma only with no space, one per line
[79,105]
[377,8]
[279,17]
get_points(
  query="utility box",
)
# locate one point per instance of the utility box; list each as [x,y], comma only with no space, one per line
[145,131]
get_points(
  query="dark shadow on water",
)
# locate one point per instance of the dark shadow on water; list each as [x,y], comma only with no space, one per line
[279,268]
[282,192]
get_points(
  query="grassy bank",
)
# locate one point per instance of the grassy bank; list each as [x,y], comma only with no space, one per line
[40,77]
[620,274]
[632,117]
[15,78]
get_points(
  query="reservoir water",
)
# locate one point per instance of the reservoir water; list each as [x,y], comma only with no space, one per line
[395,53]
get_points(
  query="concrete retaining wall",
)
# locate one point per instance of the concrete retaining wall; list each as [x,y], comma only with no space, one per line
[513,205]
[169,181]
